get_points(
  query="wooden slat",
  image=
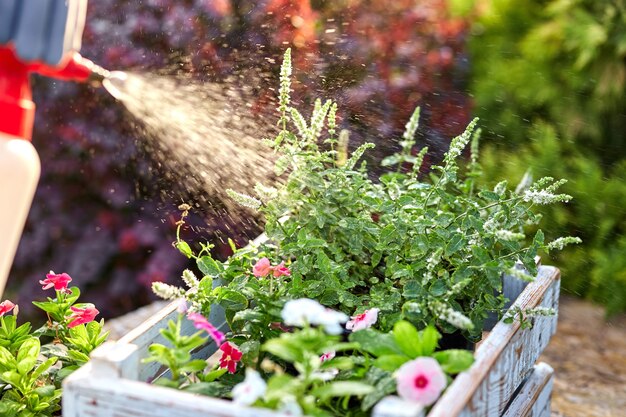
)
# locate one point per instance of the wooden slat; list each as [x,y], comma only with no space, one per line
[533,400]
[89,395]
[147,333]
[504,358]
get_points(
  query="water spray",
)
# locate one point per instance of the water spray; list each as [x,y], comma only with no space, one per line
[36,36]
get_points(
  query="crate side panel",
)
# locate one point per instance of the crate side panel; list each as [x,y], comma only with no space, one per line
[534,395]
[504,358]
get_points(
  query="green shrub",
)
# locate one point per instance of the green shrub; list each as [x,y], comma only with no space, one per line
[550,78]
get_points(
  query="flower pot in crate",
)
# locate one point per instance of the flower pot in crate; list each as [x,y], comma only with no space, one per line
[503,381]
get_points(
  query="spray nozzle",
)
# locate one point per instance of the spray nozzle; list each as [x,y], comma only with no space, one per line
[115,83]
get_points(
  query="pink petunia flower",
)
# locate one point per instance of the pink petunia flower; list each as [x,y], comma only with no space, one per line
[230,357]
[327,356]
[261,268]
[58,281]
[201,323]
[281,270]
[82,316]
[421,380]
[5,307]
[364,320]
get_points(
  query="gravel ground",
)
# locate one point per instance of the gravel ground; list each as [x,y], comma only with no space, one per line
[588,355]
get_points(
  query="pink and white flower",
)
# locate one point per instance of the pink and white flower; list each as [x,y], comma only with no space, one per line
[231,356]
[261,268]
[327,356]
[364,320]
[251,389]
[5,307]
[201,323]
[281,270]
[82,315]
[421,380]
[58,281]
[304,311]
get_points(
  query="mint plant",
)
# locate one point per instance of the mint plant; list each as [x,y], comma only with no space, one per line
[413,255]
[428,249]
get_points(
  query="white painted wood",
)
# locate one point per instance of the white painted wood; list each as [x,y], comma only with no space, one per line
[505,358]
[113,383]
[534,396]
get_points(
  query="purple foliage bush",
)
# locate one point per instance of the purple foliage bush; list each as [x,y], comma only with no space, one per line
[101,212]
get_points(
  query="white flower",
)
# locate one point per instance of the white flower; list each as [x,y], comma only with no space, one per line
[509,236]
[561,242]
[305,311]
[251,389]
[332,321]
[452,316]
[545,197]
[364,320]
[325,376]
[190,279]
[290,406]
[166,291]
[244,199]
[265,193]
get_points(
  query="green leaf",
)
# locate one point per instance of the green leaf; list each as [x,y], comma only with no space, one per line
[210,266]
[429,340]
[7,361]
[29,349]
[213,375]
[196,365]
[283,349]
[375,342]
[231,300]
[342,389]
[456,242]
[412,289]
[407,338]
[453,361]
[280,385]
[184,248]
[391,362]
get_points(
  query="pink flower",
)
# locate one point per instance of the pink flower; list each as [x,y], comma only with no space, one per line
[364,320]
[58,281]
[82,316]
[230,357]
[327,356]
[261,268]
[5,307]
[421,380]
[201,323]
[281,270]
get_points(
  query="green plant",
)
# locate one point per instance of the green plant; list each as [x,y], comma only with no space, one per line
[550,78]
[31,374]
[413,256]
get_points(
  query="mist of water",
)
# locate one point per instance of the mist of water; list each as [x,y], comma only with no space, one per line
[203,135]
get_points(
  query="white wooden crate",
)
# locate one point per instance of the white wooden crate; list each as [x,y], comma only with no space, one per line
[503,382]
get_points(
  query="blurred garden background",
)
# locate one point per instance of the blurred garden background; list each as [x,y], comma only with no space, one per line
[547,78]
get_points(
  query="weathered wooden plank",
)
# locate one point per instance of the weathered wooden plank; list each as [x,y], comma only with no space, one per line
[534,396]
[504,358]
[147,333]
[92,395]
